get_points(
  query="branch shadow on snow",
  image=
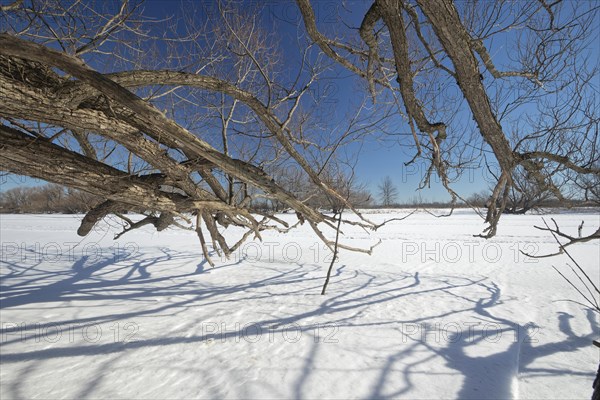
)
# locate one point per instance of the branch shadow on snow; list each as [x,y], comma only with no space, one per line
[155,292]
[492,376]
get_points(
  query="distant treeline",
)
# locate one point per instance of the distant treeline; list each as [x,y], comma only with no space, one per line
[483,204]
[49,198]
[52,198]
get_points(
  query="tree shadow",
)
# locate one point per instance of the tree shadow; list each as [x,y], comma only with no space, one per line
[353,295]
[493,376]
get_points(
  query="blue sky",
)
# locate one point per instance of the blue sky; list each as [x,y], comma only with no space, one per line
[378,158]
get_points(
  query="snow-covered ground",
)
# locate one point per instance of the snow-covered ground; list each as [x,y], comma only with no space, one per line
[433,313]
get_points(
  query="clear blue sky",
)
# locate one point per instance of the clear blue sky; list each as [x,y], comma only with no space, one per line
[378,158]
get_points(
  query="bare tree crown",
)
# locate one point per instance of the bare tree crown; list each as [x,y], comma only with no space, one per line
[205,116]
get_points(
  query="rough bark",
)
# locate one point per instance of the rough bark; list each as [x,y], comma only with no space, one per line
[86,101]
[451,48]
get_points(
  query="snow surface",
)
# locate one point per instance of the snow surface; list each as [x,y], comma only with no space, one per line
[433,313]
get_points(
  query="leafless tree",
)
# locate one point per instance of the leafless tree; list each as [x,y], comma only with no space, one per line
[525,194]
[191,114]
[49,198]
[388,193]
[523,72]
[14,200]
[177,117]
[590,186]
[479,199]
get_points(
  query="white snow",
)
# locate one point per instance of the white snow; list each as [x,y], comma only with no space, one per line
[434,313]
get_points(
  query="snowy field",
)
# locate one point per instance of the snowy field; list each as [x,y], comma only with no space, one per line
[433,313]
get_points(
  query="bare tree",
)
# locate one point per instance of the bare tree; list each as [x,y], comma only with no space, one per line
[590,186]
[530,94]
[388,193]
[13,200]
[171,125]
[525,194]
[479,199]
[49,198]
[192,114]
